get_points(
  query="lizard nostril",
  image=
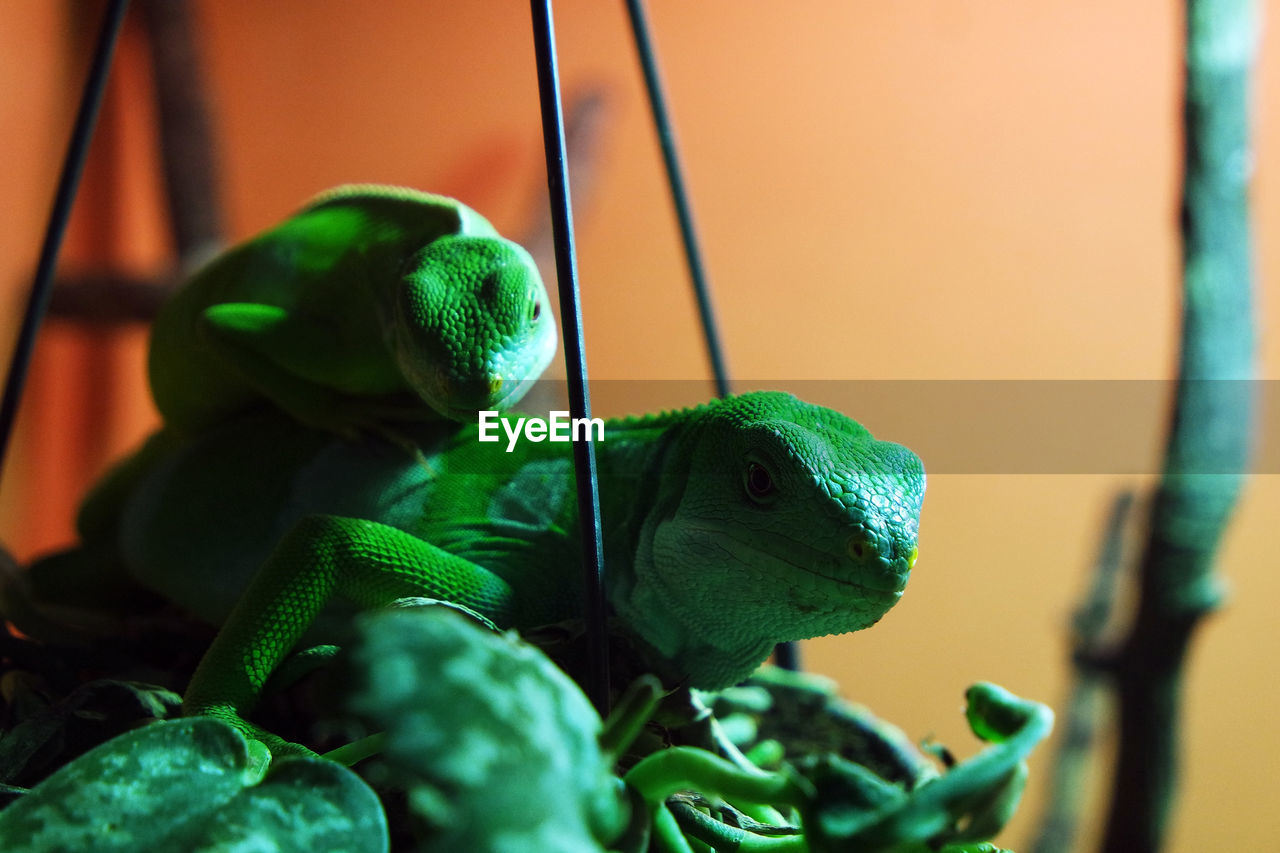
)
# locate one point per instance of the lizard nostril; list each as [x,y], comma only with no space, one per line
[856,547]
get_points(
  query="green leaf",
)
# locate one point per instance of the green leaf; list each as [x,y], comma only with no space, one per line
[804,713]
[956,811]
[188,785]
[496,747]
[87,716]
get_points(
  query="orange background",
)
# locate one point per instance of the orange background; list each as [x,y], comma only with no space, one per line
[918,190]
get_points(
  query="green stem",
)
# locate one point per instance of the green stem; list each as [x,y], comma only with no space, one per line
[722,837]
[629,716]
[667,837]
[357,750]
[1211,431]
[930,808]
[677,768]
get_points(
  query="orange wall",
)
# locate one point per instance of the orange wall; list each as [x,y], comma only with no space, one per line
[885,191]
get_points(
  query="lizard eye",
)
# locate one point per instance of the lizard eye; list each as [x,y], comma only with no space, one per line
[759,482]
[533,305]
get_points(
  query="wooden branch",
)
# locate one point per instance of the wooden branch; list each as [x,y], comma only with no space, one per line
[588,118]
[188,146]
[188,154]
[1080,717]
[109,299]
[1211,432]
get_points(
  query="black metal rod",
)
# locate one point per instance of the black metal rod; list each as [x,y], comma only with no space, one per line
[584,455]
[679,195]
[68,183]
[785,655]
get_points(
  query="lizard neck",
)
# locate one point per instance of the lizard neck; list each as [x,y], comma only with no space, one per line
[641,461]
[632,463]
[643,464]
[385,225]
[661,566]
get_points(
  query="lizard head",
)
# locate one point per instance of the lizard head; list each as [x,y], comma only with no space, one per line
[780,520]
[472,328]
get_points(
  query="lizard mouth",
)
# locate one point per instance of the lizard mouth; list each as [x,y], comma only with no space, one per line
[895,592]
[504,382]
[510,390]
[746,545]
[464,400]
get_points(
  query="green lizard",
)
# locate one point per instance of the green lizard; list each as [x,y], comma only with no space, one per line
[728,528]
[367,293]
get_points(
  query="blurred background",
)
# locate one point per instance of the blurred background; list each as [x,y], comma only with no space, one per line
[908,191]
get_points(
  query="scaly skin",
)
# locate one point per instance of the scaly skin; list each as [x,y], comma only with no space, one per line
[728,528]
[365,294]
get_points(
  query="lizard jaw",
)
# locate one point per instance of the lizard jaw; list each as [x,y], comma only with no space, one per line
[713,602]
[749,545]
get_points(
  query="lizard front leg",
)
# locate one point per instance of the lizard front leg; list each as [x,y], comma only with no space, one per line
[299,362]
[323,557]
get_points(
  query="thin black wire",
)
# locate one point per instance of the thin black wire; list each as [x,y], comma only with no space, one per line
[679,196]
[786,655]
[584,455]
[68,182]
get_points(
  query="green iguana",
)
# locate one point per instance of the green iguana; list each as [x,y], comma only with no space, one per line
[728,528]
[366,293]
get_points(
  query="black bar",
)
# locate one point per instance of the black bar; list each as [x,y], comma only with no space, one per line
[584,455]
[785,655]
[68,183]
[679,196]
